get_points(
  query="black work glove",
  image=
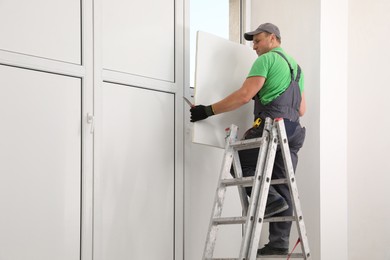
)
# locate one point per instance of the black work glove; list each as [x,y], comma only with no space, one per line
[201,112]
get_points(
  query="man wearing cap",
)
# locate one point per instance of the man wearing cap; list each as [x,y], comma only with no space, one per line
[276,84]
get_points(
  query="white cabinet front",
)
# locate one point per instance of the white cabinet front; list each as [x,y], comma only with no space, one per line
[134,181]
[40,165]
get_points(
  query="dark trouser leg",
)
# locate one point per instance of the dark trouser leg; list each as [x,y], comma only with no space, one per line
[248,160]
[279,232]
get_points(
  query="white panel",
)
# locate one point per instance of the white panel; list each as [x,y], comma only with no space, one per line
[368,144]
[40,154]
[45,28]
[333,138]
[139,37]
[134,193]
[221,68]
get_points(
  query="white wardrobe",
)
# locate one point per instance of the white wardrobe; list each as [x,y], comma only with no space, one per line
[91,136]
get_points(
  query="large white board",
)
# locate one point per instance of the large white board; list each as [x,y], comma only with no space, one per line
[221,68]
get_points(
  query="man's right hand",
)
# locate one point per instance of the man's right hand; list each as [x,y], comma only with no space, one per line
[201,112]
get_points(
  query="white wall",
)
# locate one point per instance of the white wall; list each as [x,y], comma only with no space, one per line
[203,165]
[333,129]
[299,23]
[354,147]
[368,124]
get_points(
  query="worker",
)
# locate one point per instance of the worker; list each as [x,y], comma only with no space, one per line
[276,84]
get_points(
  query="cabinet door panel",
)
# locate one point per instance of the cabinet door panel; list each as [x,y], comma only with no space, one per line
[134,192]
[40,165]
[139,37]
[44,28]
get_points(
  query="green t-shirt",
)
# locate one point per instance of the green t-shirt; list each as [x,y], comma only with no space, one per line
[275,69]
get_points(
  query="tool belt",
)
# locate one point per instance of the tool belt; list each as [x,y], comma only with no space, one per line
[256,130]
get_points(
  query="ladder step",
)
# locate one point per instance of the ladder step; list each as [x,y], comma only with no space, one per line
[294,255]
[229,220]
[279,181]
[248,181]
[241,220]
[221,259]
[281,219]
[245,181]
[247,144]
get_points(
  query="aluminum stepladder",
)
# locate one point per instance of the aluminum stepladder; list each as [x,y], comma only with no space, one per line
[274,134]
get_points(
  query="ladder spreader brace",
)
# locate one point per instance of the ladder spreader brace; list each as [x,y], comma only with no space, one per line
[274,134]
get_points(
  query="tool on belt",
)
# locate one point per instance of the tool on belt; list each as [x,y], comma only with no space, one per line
[257,122]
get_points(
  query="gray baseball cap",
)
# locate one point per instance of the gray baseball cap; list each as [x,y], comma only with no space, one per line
[265,27]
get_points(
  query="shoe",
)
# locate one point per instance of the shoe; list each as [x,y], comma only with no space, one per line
[275,207]
[269,250]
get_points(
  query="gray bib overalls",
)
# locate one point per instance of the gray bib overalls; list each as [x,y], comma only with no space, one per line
[285,106]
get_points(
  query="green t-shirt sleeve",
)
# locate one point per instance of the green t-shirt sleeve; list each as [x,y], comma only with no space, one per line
[260,67]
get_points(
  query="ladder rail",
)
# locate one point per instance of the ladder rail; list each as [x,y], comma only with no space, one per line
[263,151]
[283,142]
[219,194]
[262,202]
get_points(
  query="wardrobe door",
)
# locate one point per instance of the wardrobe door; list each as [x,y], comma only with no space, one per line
[134,188]
[40,169]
